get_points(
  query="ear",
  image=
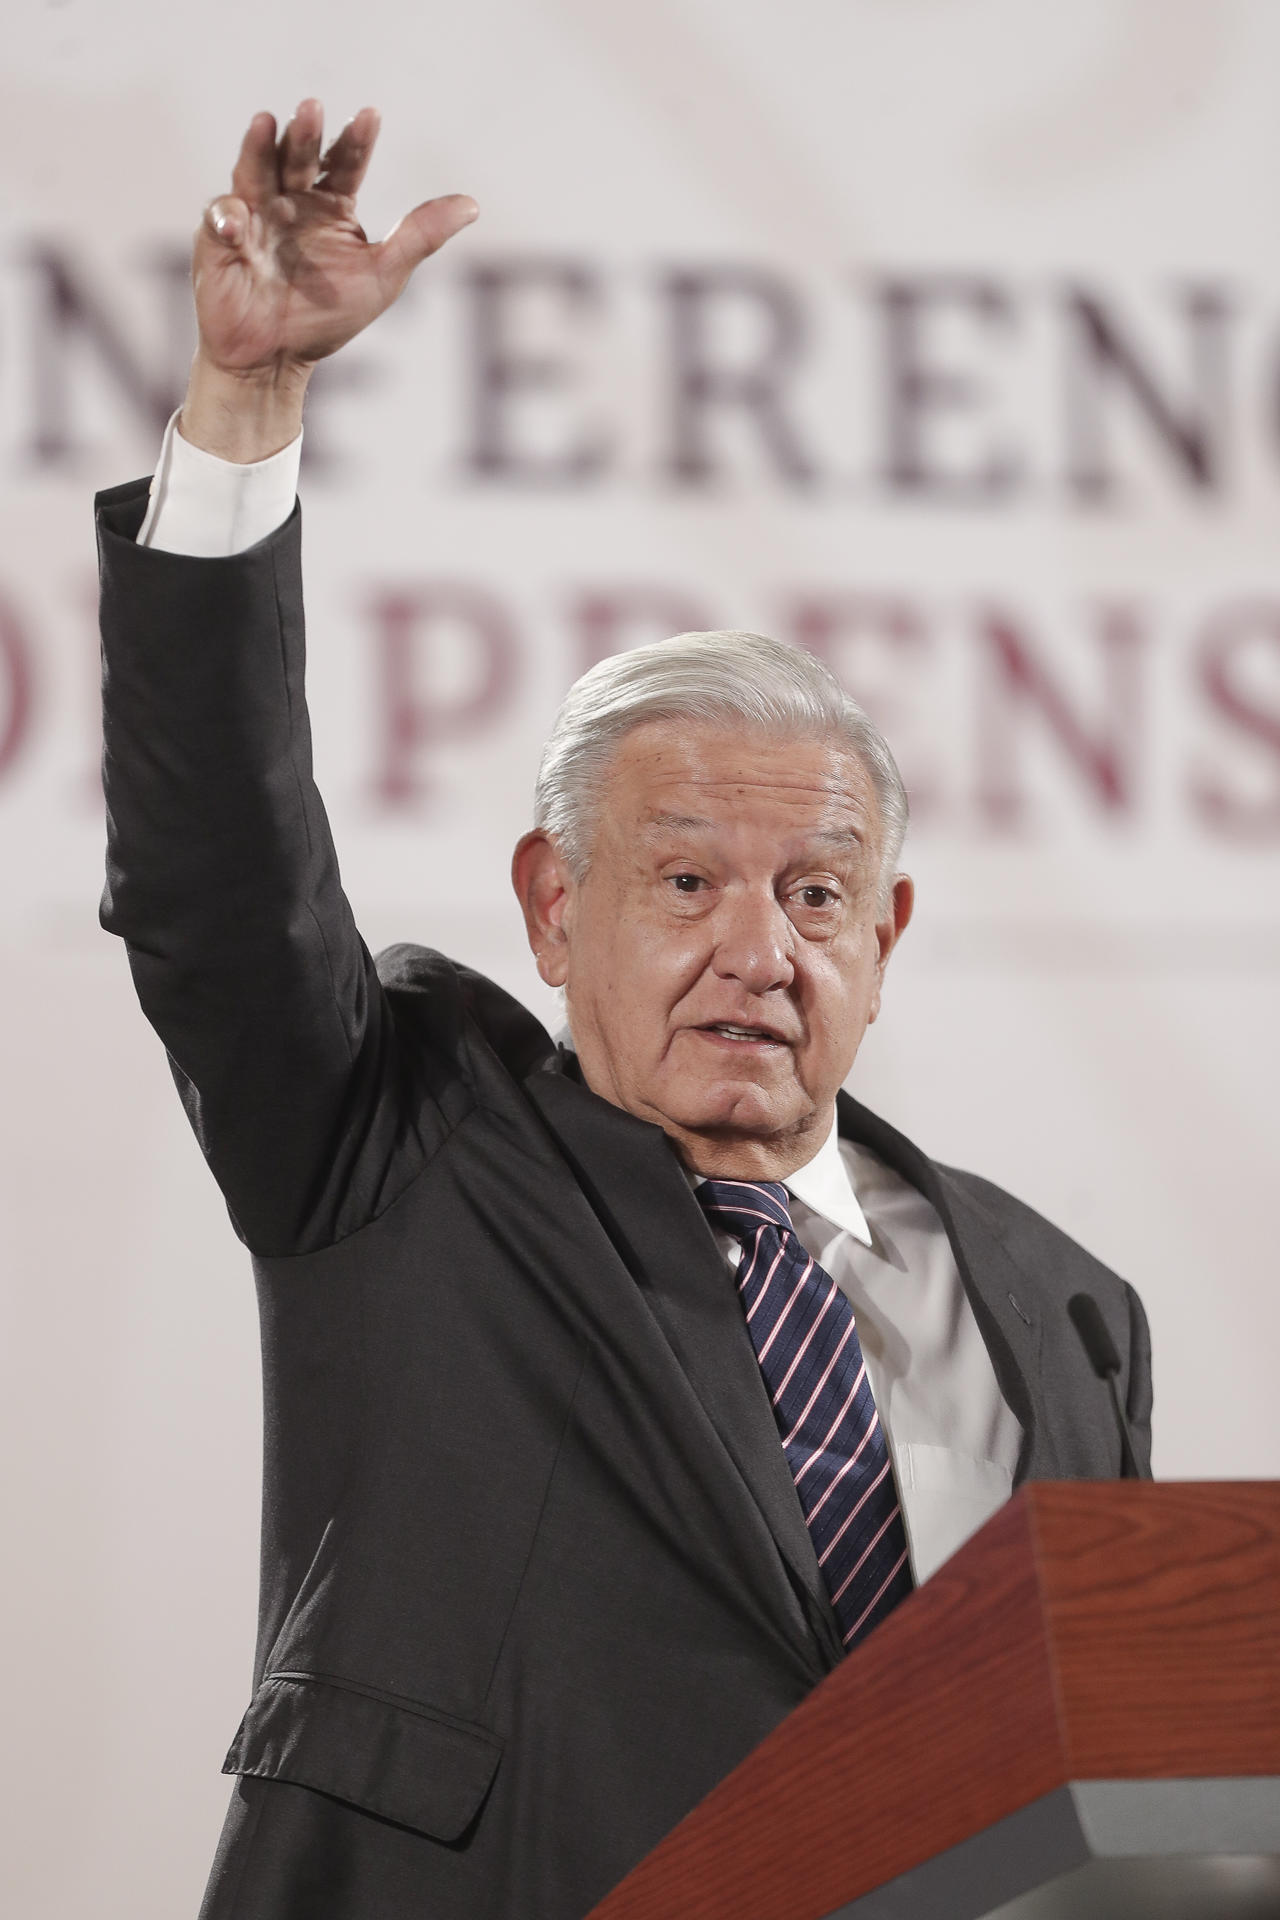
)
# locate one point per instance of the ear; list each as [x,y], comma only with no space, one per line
[544,889]
[890,928]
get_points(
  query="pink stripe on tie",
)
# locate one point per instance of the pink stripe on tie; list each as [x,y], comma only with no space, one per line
[861,1561]
[803,1348]
[836,1537]
[792,1297]
[746,1213]
[787,1438]
[753,1186]
[767,1283]
[853,1457]
[884,1587]
[747,1264]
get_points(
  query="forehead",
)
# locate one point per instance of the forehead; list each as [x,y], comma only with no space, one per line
[672,776]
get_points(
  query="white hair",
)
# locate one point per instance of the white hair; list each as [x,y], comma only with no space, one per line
[724,679]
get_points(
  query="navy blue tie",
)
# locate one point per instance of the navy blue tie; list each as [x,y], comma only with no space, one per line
[803,1332]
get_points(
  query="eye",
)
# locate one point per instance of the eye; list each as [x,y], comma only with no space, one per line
[687,882]
[816,896]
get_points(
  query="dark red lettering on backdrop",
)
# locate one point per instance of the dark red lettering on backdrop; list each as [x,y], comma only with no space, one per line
[1018,681]
[1103,358]
[410,626]
[918,387]
[1238,642]
[507,375]
[706,382]
[728,414]
[1143,387]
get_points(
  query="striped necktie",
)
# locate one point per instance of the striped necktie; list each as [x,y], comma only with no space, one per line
[803,1332]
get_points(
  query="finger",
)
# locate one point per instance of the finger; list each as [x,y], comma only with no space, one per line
[346,163]
[255,178]
[421,232]
[227,219]
[300,147]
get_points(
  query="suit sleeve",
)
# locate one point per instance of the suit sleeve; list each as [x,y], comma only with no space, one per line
[223,882]
[1138,1400]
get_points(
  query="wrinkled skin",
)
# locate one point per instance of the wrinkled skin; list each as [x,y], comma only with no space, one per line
[723,955]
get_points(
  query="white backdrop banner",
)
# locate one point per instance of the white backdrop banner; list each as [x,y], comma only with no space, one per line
[948,352]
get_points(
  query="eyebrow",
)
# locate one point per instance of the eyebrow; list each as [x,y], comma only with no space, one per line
[659,823]
[839,837]
[677,823]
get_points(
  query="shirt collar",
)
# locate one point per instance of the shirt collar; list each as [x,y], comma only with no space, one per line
[823,1185]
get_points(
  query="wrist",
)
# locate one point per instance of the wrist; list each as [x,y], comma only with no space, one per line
[243,416]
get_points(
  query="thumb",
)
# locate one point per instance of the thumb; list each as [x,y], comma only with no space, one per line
[422,233]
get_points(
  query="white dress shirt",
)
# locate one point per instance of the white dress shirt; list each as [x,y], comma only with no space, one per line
[953,1440]
[211,508]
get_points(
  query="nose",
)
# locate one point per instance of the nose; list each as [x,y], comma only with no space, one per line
[754,941]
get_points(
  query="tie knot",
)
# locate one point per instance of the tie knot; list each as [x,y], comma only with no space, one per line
[742,1207]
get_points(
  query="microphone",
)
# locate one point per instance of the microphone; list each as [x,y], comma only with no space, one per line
[1095,1338]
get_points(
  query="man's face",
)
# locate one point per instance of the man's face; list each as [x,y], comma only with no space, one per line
[722,958]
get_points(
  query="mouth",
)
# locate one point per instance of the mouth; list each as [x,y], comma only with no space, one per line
[733,1034]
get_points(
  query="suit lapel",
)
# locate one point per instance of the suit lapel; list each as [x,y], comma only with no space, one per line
[1005,1299]
[634,1181]
[632,1178]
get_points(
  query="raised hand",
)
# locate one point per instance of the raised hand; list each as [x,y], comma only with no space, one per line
[284,275]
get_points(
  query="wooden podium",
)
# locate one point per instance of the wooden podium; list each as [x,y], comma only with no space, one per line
[1078,1715]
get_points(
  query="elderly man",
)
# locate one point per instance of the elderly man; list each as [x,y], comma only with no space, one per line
[615,1391]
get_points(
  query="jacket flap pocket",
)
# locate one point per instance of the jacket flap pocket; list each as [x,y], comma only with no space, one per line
[407,1763]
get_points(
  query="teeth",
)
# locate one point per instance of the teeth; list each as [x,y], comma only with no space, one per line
[742,1033]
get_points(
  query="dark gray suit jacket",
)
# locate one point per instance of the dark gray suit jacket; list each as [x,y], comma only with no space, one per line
[534,1572]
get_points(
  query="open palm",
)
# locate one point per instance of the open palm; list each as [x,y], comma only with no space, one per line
[282,270]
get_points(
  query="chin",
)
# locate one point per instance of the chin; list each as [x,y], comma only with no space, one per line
[739,1107]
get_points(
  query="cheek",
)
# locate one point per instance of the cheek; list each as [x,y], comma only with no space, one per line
[839,994]
[633,961]
[667,953]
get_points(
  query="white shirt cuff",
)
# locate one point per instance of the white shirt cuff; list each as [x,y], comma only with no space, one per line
[210,508]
